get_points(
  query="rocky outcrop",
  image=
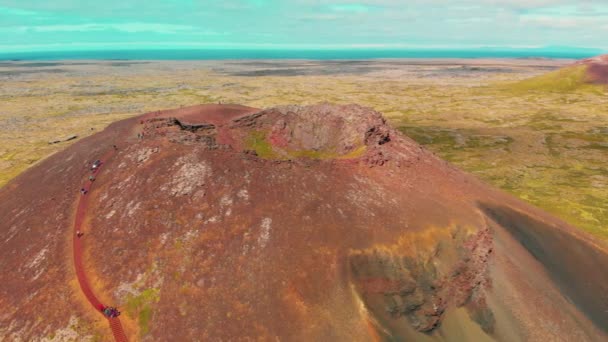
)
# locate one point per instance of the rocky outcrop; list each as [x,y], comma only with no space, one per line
[59,140]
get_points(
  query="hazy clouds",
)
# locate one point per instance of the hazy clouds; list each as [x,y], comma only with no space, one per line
[306,23]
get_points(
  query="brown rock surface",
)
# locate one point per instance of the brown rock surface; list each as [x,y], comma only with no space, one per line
[224,222]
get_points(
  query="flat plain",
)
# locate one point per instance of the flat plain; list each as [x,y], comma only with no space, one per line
[546,145]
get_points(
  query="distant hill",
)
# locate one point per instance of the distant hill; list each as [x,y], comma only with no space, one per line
[585,75]
[597,69]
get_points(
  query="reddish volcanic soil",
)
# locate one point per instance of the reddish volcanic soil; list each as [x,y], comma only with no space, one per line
[224,222]
[597,69]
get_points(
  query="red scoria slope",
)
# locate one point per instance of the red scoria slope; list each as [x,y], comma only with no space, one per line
[292,223]
[597,69]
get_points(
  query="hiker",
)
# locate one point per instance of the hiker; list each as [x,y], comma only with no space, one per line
[83,191]
[96,165]
[91,178]
[111,312]
[115,148]
[79,233]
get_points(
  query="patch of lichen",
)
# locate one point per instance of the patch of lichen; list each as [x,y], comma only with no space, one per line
[140,306]
[258,142]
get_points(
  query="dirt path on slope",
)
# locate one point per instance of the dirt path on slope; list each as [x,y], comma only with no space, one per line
[78,246]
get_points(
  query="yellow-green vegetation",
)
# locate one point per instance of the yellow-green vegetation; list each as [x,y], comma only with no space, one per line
[140,306]
[569,79]
[257,142]
[24,145]
[318,154]
[311,154]
[543,139]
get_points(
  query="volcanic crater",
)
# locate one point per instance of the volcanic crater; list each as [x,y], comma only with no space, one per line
[225,222]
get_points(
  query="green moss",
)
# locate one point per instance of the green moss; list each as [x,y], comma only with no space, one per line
[96,338]
[140,307]
[312,154]
[480,141]
[600,146]
[6,176]
[585,217]
[8,156]
[552,145]
[257,141]
[558,185]
[592,138]
[454,139]
[144,319]
[429,135]
[567,79]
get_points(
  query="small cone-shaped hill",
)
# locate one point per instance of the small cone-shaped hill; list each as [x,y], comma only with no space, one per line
[597,69]
[292,223]
[585,75]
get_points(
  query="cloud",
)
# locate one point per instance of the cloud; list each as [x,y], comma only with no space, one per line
[124,27]
[318,17]
[121,27]
[309,22]
[17,12]
[589,24]
[355,8]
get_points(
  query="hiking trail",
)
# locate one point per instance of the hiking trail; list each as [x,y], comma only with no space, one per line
[78,246]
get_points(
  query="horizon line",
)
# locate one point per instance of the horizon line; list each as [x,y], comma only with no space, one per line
[6,49]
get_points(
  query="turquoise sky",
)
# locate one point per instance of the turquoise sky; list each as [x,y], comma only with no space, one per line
[81,24]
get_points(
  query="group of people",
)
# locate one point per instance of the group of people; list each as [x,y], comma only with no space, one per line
[110,312]
[94,167]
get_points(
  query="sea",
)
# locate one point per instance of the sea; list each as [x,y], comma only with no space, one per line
[341,54]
